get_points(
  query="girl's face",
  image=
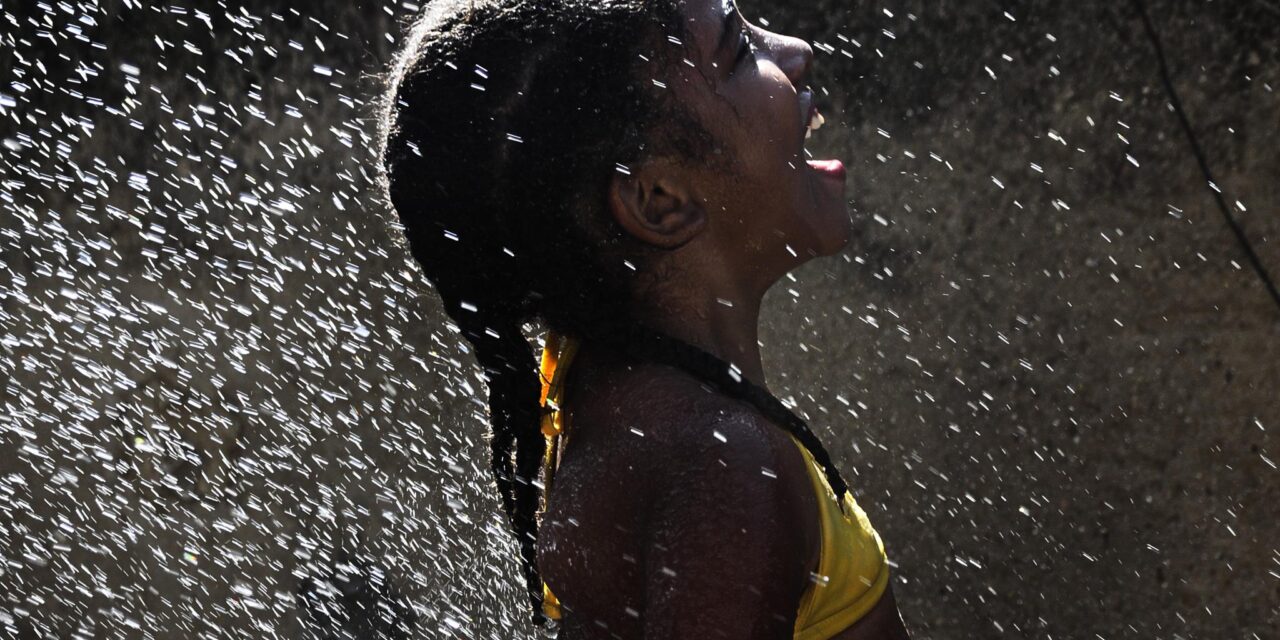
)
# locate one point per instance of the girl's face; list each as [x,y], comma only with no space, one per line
[748,86]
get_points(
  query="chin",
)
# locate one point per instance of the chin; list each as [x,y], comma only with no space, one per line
[834,234]
[825,213]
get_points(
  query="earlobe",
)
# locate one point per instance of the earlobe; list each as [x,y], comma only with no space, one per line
[655,209]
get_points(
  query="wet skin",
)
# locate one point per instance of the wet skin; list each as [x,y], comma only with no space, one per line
[662,522]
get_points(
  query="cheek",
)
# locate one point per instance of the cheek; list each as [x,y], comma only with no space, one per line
[759,123]
[771,120]
[758,116]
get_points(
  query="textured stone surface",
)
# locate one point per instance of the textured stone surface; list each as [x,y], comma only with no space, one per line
[1044,363]
[1069,378]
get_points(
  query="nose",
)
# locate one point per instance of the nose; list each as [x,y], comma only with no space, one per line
[795,59]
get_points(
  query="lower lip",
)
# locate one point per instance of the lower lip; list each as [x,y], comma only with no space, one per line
[828,168]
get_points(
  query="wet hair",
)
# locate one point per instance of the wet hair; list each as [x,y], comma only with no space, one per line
[503,123]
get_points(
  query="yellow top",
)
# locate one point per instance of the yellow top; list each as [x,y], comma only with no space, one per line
[853,571]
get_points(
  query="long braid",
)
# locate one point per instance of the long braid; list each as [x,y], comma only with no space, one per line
[514,413]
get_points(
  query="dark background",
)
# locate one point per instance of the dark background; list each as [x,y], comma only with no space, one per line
[229,406]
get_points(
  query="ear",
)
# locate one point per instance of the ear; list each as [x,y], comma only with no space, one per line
[654,204]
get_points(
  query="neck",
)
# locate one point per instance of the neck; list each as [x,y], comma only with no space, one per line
[726,325]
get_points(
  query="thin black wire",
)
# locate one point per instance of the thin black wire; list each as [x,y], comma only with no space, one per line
[1200,157]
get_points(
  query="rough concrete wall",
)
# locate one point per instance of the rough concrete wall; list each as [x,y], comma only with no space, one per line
[1067,367]
[1044,363]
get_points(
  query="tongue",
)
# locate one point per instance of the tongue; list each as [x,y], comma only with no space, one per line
[830,168]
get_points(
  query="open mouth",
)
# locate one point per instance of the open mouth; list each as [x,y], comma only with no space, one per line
[813,121]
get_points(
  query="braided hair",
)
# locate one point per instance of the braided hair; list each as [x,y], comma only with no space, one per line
[502,124]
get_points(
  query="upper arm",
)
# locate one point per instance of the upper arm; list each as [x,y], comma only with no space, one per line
[724,556]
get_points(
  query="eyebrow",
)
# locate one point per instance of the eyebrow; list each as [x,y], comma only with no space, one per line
[729,23]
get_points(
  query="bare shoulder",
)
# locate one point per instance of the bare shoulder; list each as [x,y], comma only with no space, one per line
[665,488]
[708,448]
[650,429]
[732,526]
[689,418]
[655,434]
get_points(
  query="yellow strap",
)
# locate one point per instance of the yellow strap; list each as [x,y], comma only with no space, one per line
[557,355]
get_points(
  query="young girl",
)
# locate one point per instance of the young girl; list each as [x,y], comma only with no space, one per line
[631,175]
